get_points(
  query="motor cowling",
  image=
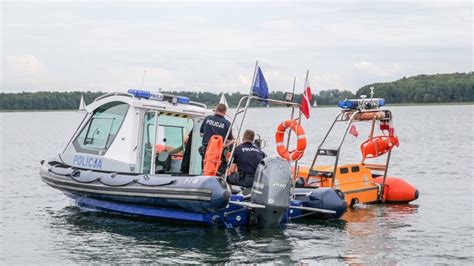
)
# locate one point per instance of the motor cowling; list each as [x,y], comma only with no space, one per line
[271,188]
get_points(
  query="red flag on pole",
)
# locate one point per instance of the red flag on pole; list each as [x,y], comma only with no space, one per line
[307,97]
[353,131]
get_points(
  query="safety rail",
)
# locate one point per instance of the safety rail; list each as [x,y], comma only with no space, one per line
[350,117]
[112,94]
[243,109]
[238,111]
[198,104]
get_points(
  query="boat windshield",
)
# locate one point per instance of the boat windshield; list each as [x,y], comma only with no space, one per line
[100,131]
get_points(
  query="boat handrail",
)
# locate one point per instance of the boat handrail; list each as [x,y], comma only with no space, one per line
[198,104]
[239,111]
[111,94]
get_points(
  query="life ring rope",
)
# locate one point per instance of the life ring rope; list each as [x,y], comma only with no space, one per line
[282,150]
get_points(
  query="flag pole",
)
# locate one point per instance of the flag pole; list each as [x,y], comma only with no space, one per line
[304,89]
[247,104]
[295,170]
[254,77]
[306,79]
[292,112]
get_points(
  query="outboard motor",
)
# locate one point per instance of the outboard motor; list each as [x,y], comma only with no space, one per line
[271,188]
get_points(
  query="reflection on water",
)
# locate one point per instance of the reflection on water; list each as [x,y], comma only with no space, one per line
[153,240]
[361,235]
[370,231]
[163,240]
[38,226]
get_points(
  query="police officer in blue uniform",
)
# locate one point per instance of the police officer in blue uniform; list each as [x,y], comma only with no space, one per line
[215,125]
[247,156]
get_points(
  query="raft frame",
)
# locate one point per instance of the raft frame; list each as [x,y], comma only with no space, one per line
[353,116]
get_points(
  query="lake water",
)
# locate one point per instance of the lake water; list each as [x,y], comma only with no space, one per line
[39,226]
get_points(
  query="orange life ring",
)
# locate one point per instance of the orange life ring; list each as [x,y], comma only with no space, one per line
[280,138]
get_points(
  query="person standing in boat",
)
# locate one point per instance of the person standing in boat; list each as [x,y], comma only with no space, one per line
[247,156]
[215,124]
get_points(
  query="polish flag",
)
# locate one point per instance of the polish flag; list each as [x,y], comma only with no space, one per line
[306,99]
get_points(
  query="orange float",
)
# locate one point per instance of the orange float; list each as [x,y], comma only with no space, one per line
[300,144]
[376,146]
[213,155]
[397,189]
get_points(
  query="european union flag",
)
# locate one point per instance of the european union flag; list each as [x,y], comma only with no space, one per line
[260,87]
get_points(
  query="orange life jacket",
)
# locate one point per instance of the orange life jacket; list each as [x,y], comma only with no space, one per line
[213,155]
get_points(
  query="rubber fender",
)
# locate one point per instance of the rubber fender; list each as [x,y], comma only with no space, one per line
[397,189]
[115,180]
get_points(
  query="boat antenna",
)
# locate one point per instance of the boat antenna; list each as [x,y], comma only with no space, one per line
[143,79]
[372,92]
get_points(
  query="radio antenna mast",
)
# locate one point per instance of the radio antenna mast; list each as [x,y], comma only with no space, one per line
[143,79]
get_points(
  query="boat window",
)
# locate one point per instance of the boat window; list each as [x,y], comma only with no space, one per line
[344,170]
[172,135]
[99,133]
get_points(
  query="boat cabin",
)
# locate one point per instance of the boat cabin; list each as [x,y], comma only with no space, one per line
[139,132]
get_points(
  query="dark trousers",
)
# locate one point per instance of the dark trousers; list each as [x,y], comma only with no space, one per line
[242,180]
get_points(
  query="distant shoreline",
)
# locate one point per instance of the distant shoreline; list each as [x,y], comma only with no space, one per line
[319,106]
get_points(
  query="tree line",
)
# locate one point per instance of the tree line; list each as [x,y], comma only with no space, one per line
[45,100]
[440,88]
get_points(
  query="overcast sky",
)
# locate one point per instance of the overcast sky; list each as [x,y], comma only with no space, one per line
[213,47]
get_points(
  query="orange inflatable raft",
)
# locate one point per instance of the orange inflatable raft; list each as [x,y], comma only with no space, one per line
[361,182]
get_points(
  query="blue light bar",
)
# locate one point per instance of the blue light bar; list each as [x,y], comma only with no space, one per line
[146,94]
[182,99]
[139,93]
[348,104]
[381,102]
[159,96]
[362,103]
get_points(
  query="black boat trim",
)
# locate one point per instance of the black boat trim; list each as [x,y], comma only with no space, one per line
[168,193]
